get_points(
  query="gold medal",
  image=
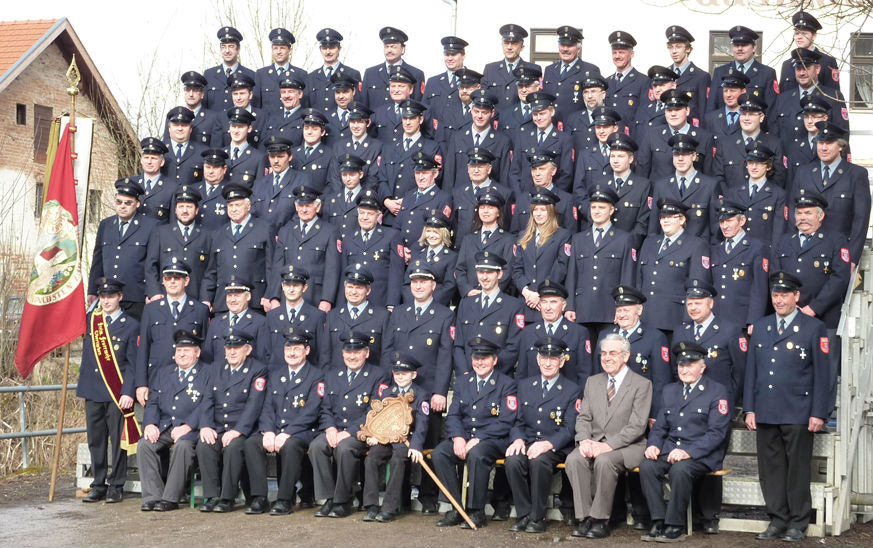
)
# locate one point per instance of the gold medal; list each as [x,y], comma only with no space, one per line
[494,411]
[552,415]
[366,399]
[302,403]
[742,272]
[630,102]
[429,341]
[714,353]
[499,329]
[116,347]
[764,216]
[816,264]
[789,345]
[558,421]
[700,213]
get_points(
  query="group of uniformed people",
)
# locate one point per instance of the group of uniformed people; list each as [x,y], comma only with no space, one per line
[299,245]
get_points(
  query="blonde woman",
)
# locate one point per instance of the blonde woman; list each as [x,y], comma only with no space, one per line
[434,250]
[542,251]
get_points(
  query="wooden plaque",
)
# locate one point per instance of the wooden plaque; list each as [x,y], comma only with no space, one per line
[389,420]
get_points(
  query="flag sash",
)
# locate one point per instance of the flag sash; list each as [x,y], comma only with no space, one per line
[107,364]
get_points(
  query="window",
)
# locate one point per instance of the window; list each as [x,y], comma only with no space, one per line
[543,46]
[720,51]
[861,75]
[37,199]
[42,128]
[21,114]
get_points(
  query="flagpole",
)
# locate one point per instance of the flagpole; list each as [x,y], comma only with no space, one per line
[73,79]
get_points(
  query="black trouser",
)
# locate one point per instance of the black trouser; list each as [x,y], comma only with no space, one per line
[784,455]
[531,482]
[221,467]
[707,498]
[291,456]
[628,489]
[396,457]
[480,461]
[104,423]
[682,477]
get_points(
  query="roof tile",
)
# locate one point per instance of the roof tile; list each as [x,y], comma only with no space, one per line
[16,37]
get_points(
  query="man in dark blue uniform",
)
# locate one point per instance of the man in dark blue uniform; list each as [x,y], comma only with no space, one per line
[600,258]
[386,118]
[516,115]
[580,124]
[842,184]
[666,261]
[787,399]
[238,297]
[158,192]
[287,119]
[246,162]
[542,435]
[762,82]
[287,424]
[103,418]
[273,193]
[161,318]
[684,444]
[340,209]
[418,202]
[120,248]
[212,209]
[359,144]
[764,202]
[313,156]
[650,112]
[313,244]
[217,91]
[592,156]
[297,313]
[722,121]
[481,133]
[483,412]
[231,408]
[692,79]
[396,455]
[344,92]
[543,135]
[628,87]
[479,164]
[268,79]
[377,248]
[172,424]
[498,78]
[320,93]
[244,246]
[562,79]
[688,186]
[182,162]
[184,238]
[207,125]
[336,452]
[440,87]
[803,149]
[357,314]
[806,27]
[454,115]
[376,83]
[553,301]
[739,268]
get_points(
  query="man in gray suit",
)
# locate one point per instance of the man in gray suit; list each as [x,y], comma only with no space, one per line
[610,438]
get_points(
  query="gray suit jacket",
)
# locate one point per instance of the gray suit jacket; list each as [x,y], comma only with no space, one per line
[623,424]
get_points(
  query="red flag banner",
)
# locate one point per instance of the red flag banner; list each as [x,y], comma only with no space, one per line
[54,311]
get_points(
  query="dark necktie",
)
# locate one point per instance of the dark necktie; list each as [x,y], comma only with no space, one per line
[598,236]
[549,330]
[178,152]
[510,67]
[753,191]
[825,175]
[122,228]
[366,237]
[418,196]
[733,118]
[186,233]
[686,390]
[682,187]
[485,302]
[276,179]
[228,71]
[677,71]
[729,246]
[352,376]
[417,313]
[481,385]
[328,72]
[454,80]
[697,329]
[804,94]
[604,150]
[525,112]
[287,114]
[476,140]
[623,333]
[485,235]
[741,69]
[545,387]
[345,117]
[430,255]
[618,183]
[349,196]
[280,72]
[610,391]
[233,319]
[618,76]
[354,312]
[564,70]
[148,186]
[542,137]
[292,315]
[664,246]
[175,310]
[355,145]
[749,141]
[466,110]
[237,230]
[235,153]
[781,325]
[307,152]
[406,143]
[803,240]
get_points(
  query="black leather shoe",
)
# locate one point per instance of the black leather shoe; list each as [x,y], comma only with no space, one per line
[451,519]
[519,524]
[113,495]
[385,517]
[478,518]
[640,525]
[371,514]
[771,533]
[95,495]
[308,503]
[501,512]
[672,533]
[568,517]
[793,535]
[209,504]
[281,508]
[583,528]
[166,506]
[428,507]
[538,526]
[224,506]
[599,529]
[654,531]
[325,509]
[148,505]
[259,505]
[340,510]
[710,527]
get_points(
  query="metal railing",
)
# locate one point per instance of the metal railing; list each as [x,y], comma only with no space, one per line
[24,433]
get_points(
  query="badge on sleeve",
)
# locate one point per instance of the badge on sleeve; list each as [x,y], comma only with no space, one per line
[339,246]
[824,345]
[765,264]
[649,202]
[844,113]
[452,332]
[425,408]
[360,86]
[382,387]
[835,74]
[519,320]
[400,250]
[320,389]
[588,345]
[844,254]
[575,213]
[568,249]
[634,254]
[560,126]
[260,383]
[422,88]
[511,403]
[785,213]
[495,124]
[785,161]
[723,407]
[436,124]
[704,260]
[514,250]
[578,405]
[447,211]
[438,158]
[665,353]
[512,209]
[776,87]
[744,344]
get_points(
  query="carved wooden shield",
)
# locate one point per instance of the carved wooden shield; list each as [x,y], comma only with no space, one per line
[389,420]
